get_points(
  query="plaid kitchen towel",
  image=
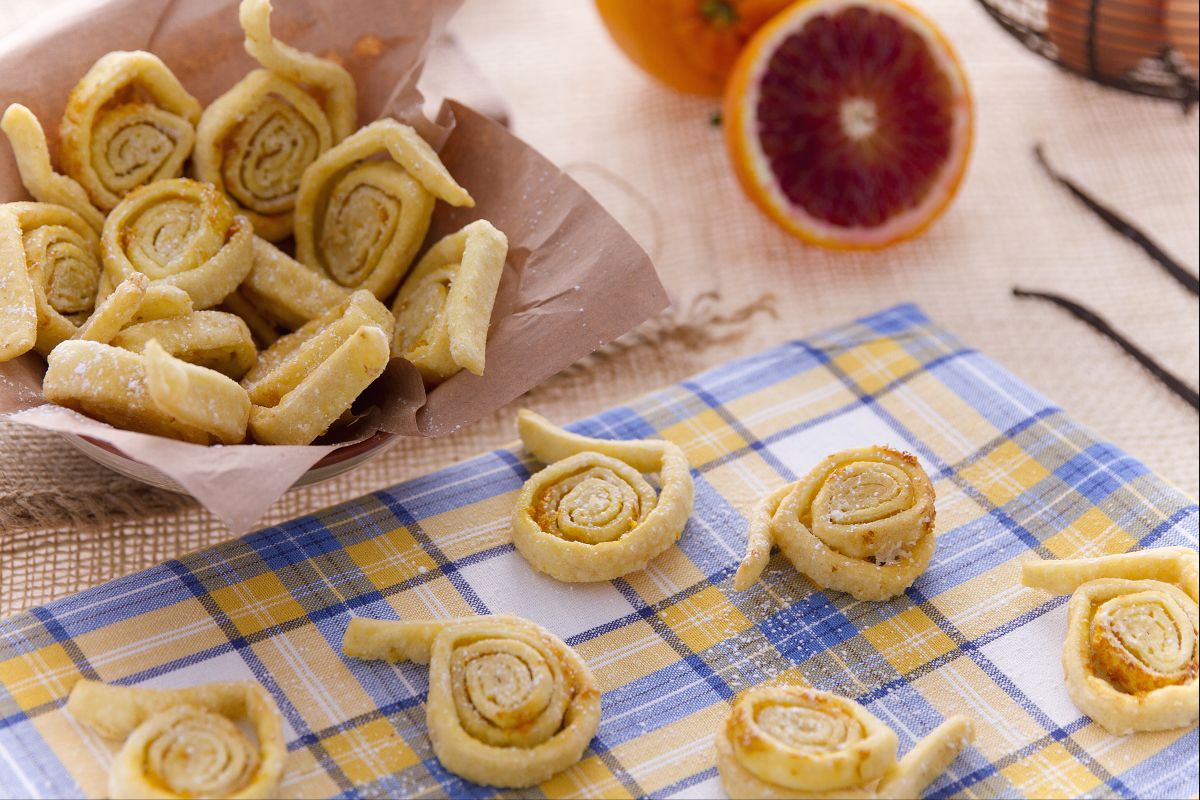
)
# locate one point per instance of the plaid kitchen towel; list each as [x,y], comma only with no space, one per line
[1016,479]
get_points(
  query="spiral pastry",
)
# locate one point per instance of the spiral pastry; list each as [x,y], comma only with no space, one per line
[195,396]
[1130,657]
[360,219]
[213,339]
[256,140]
[286,292]
[18,307]
[307,379]
[115,311]
[185,743]
[797,742]
[444,307]
[49,275]
[860,522]
[180,233]
[109,384]
[28,142]
[128,123]
[591,515]
[509,704]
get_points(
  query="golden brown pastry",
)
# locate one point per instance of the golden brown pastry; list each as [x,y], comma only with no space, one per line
[198,397]
[37,174]
[591,515]
[307,379]
[787,742]
[185,743]
[860,522]
[180,233]
[109,384]
[444,307]
[18,306]
[1130,657]
[213,339]
[364,206]
[285,291]
[50,265]
[128,123]
[115,311]
[256,140]
[509,705]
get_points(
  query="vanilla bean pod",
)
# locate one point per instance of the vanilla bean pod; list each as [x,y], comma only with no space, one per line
[1123,227]
[1100,325]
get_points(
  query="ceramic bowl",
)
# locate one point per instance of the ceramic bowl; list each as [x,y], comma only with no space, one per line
[333,464]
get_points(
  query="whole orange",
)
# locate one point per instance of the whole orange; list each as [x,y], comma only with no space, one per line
[690,45]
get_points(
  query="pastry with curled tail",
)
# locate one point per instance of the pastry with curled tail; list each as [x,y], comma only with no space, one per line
[364,206]
[591,515]
[110,384]
[50,265]
[284,291]
[1130,656]
[510,704]
[128,122]
[445,304]
[789,742]
[184,743]
[860,522]
[306,380]
[256,140]
[180,233]
[215,339]
[29,147]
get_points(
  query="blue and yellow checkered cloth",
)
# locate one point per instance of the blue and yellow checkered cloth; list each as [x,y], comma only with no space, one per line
[1016,479]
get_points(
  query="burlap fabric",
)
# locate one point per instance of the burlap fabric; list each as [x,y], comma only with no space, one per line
[657,161]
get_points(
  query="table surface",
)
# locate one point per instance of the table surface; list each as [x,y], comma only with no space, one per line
[739,284]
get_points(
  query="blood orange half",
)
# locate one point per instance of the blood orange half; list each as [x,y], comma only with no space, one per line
[849,121]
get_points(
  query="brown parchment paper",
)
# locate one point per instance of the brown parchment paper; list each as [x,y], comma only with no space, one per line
[573,280]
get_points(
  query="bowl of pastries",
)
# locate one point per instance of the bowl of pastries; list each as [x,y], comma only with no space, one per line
[238,273]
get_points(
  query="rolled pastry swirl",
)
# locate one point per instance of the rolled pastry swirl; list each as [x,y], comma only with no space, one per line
[213,339]
[509,704]
[37,174]
[115,311]
[860,522]
[285,291]
[198,397]
[18,308]
[264,330]
[256,140]
[591,515]
[1130,657]
[360,219]
[180,233]
[444,307]
[307,379]
[184,743]
[53,255]
[785,742]
[128,123]
[109,384]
